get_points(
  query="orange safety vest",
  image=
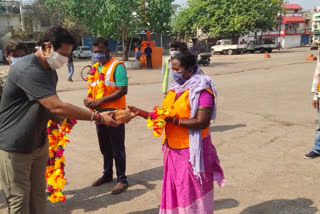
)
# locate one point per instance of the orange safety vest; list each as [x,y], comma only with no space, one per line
[176,136]
[110,85]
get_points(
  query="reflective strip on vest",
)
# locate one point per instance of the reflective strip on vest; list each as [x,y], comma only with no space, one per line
[107,81]
[165,78]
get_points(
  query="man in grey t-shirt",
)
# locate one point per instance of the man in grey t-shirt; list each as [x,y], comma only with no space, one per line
[29,101]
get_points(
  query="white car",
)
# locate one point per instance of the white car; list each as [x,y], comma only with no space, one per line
[82,52]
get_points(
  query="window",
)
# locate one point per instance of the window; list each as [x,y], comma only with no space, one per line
[85,49]
[307,22]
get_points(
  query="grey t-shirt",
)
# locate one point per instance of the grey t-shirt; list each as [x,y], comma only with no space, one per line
[23,120]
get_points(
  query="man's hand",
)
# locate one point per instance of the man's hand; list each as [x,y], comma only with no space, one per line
[315,104]
[108,120]
[94,104]
[86,102]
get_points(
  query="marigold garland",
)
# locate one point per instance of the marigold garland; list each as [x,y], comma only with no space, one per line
[156,119]
[96,92]
[55,167]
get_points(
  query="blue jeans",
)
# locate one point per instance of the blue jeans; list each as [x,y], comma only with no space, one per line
[70,70]
[316,147]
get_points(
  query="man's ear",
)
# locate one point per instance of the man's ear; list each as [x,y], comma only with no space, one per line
[48,48]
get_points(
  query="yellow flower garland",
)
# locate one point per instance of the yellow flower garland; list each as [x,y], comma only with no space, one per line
[96,92]
[55,167]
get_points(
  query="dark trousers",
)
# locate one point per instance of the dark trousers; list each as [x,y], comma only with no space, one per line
[149,62]
[111,142]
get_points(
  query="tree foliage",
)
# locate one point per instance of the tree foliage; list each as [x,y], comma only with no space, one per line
[228,18]
[118,19]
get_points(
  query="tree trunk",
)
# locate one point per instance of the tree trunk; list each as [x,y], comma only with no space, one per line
[124,44]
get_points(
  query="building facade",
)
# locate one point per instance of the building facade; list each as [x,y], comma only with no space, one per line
[294,28]
[316,25]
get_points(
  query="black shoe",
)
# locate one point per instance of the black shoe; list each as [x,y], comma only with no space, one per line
[101,181]
[311,155]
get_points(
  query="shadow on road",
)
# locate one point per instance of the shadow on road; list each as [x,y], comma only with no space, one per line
[150,211]
[282,206]
[223,204]
[226,127]
[218,205]
[91,199]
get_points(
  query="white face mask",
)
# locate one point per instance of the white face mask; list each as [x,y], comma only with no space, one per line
[174,53]
[56,61]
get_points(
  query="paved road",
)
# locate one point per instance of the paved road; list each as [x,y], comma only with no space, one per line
[265,125]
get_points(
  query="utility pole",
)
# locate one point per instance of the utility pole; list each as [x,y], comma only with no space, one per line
[280,18]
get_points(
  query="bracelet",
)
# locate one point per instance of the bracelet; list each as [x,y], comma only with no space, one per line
[99,118]
[92,117]
[179,122]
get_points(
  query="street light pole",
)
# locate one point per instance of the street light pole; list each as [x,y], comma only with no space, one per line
[279,30]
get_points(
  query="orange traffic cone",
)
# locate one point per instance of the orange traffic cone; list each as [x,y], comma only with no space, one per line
[267,55]
[310,57]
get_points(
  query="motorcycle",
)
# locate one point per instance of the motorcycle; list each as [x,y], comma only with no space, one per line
[204,60]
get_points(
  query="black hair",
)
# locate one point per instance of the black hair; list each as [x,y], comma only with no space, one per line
[180,46]
[187,60]
[57,36]
[14,45]
[100,40]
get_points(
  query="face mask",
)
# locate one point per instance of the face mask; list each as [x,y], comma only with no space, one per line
[179,78]
[55,60]
[174,53]
[14,60]
[99,57]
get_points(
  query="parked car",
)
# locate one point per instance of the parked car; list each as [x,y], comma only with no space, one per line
[82,52]
[226,47]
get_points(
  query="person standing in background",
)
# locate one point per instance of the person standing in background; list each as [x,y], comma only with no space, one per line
[13,50]
[70,67]
[148,53]
[138,54]
[315,152]
[166,71]
[195,49]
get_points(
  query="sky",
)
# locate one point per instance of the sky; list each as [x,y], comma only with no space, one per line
[306,4]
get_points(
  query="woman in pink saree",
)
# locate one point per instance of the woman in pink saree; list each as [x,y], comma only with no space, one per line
[190,161]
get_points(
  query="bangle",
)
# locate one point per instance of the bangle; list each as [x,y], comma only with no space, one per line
[98,118]
[92,117]
[179,122]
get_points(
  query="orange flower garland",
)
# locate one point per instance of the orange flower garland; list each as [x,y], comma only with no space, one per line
[156,120]
[96,92]
[55,167]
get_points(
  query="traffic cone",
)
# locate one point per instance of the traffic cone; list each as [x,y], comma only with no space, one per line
[267,55]
[310,57]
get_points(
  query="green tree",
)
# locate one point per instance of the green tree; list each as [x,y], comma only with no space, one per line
[228,18]
[118,19]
